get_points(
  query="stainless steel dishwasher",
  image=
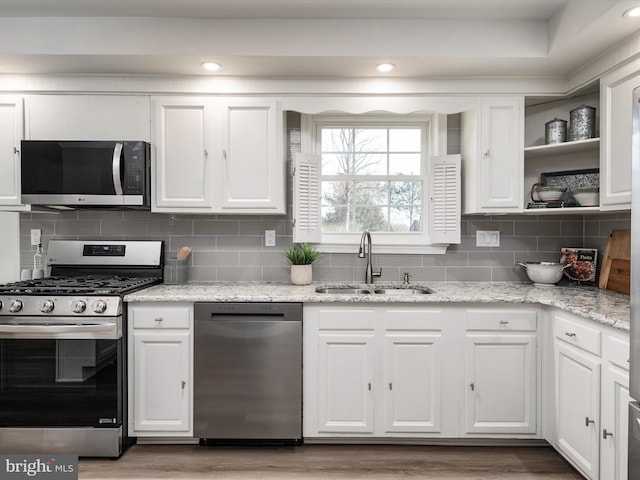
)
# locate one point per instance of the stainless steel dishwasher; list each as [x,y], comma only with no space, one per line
[248,373]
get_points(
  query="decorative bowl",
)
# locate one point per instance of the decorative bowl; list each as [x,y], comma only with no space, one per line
[587,197]
[544,272]
[551,193]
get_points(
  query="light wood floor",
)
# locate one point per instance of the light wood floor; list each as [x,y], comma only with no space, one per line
[312,462]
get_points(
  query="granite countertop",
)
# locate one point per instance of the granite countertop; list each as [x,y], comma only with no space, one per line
[590,302]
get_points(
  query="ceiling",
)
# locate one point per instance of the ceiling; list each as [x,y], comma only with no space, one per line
[425,39]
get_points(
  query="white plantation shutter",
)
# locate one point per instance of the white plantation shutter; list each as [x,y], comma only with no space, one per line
[306,198]
[444,194]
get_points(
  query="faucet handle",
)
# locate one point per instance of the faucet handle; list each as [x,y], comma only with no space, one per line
[378,273]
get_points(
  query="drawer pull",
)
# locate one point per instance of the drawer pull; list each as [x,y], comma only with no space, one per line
[606,434]
[159,319]
[504,322]
[570,334]
[588,421]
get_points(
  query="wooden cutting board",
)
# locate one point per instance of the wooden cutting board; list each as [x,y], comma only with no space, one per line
[616,263]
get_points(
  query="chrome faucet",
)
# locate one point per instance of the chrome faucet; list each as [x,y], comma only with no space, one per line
[362,253]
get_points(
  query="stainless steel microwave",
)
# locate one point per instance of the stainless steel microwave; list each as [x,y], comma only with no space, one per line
[85,173]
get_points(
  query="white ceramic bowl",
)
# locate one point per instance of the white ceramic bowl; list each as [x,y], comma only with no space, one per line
[545,273]
[550,193]
[587,197]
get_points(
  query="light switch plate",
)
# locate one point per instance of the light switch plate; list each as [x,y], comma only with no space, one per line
[269,238]
[487,238]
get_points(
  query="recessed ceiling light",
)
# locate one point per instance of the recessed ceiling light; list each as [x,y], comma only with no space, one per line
[385,67]
[633,12]
[211,66]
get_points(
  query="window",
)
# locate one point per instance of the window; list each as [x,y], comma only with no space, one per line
[373,174]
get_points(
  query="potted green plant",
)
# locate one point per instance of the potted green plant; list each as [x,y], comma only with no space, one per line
[301,256]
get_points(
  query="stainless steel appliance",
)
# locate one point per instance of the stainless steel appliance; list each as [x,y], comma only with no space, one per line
[63,348]
[85,173]
[248,373]
[634,373]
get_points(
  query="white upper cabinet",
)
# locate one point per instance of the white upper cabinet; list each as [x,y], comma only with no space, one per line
[616,100]
[11,132]
[492,156]
[217,156]
[182,133]
[252,176]
[87,117]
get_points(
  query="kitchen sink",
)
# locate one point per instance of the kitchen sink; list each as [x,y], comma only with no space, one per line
[380,290]
[343,290]
[402,291]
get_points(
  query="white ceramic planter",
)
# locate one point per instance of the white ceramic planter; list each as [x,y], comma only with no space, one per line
[301,274]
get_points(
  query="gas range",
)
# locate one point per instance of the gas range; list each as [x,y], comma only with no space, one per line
[89,278]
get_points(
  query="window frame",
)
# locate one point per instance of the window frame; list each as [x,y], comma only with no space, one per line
[433,137]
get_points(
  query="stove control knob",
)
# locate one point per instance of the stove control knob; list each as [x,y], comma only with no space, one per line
[99,307]
[47,306]
[15,306]
[78,306]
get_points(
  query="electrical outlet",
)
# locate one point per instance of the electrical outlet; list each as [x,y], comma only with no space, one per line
[36,237]
[487,238]
[269,238]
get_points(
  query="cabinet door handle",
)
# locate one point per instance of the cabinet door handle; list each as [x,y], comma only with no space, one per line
[224,154]
[504,322]
[570,334]
[206,153]
[15,150]
[588,421]
[184,384]
[487,154]
[369,385]
[472,386]
[390,386]
[606,434]
[159,319]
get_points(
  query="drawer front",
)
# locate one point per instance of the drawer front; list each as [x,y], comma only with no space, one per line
[167,316]
[500,319]
[615,348]
[578,333]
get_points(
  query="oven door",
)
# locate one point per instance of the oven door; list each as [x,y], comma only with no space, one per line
[63,374]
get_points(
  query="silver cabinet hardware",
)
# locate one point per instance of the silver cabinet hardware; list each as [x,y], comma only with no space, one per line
[472,386]
[606,434]
[570,334]
[369,386]
[224,154]
[390,386]
[504,322]
[159,319]
[206,153]
[15,150]
[588,421]
[183,384]
[487,154]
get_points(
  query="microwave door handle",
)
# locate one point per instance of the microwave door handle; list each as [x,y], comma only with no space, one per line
[117,183]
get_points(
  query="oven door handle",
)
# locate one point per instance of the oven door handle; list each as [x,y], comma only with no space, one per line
[39,329]
[48,328]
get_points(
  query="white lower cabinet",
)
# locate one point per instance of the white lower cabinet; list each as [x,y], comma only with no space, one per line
[501,370]
[590,395]
[614,405]
[404,371]
[160,372]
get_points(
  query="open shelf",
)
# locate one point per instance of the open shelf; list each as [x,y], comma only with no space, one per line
[560,211]
[563,148]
